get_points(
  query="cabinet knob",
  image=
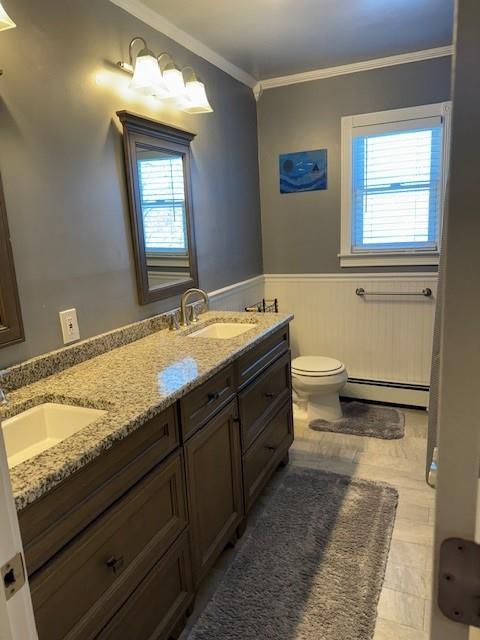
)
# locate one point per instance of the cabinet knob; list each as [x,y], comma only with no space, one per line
[213,396]
[270,394]
[269,447]
[115,563]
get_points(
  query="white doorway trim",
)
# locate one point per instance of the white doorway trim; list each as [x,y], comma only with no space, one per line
[17,621]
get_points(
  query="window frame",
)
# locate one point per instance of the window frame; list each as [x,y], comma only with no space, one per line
[390,257]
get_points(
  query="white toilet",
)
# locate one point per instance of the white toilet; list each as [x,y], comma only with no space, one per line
[317,382]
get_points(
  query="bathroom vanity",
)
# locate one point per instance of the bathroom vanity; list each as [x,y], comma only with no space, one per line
[118,547]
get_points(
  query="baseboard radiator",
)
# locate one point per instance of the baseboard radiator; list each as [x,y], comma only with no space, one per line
[414,395]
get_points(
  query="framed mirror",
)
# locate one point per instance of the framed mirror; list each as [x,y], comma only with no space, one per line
[11,325]
[157,160]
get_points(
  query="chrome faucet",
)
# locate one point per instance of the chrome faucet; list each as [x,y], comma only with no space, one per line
[184,320]
[3,397]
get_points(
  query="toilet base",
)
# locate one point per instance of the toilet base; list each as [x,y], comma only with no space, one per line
[324,407]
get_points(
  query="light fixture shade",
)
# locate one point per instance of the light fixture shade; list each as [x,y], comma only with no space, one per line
[147,78]
[196,98]
[173,79]
[5,21]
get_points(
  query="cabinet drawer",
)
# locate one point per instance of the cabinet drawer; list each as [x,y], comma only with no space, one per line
[265,454]
[52,521]
[202,403]
[155,607]
[75,594]
[262,398]
[260,357]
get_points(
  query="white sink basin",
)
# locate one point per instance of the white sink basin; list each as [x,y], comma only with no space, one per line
[35,430]
[221,330]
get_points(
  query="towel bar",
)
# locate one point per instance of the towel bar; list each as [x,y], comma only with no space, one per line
[426,293]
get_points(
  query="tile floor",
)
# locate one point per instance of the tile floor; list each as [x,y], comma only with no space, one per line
[403,609]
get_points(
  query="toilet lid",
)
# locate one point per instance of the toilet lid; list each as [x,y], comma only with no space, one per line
[316,366]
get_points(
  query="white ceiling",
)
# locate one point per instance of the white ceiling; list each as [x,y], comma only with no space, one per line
[270,38]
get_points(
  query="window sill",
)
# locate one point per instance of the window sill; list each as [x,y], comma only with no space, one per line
[388,259]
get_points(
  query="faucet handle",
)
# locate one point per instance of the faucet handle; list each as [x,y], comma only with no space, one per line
[3,398]
[173,322]
[193,314]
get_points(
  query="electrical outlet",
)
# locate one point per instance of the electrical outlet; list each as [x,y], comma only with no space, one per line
[69,324]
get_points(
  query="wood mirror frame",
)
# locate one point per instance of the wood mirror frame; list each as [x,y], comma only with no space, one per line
[11,325]
[148,133]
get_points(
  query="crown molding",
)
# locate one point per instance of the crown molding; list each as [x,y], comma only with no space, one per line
[366,65]
[156,21]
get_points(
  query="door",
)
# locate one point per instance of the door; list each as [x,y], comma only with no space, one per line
[213,461]
[16,613]
[459,406]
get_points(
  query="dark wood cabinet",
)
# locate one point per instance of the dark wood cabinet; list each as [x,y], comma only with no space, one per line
[118,549]
[263,397]
[267,453]
[204,402]
[156,607]
[50,523]
[214,480]
[90,578]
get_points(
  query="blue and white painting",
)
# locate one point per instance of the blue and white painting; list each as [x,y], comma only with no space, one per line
[303,171]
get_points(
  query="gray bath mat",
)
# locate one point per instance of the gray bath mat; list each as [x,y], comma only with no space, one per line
[362,419]
[312,567]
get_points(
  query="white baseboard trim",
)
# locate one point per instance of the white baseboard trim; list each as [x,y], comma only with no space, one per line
[389,395]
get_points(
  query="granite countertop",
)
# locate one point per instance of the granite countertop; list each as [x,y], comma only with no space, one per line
[132,383]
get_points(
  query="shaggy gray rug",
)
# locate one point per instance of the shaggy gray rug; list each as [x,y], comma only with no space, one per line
[312,567]
[362,419]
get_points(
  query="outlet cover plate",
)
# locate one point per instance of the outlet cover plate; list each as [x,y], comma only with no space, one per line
[69,325]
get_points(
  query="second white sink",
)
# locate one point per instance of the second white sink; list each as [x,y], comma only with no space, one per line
[35,430]
[222,330]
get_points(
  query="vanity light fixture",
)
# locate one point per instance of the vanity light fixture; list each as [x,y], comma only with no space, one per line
[159,76]
[5,21]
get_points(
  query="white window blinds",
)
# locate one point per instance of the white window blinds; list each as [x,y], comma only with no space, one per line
[397,186]
[163,204]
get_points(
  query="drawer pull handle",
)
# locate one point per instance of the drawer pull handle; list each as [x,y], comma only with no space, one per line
[270,394]
[270,448]
[213,396]
[115,563]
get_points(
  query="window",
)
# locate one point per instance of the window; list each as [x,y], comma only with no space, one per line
[393,184]
[162,194]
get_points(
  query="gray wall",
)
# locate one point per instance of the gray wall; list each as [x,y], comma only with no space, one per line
[62,167]
[301,232]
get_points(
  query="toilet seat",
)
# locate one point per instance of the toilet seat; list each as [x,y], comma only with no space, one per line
[316,366]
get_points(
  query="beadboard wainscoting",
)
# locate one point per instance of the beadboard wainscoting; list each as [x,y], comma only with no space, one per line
[237,296]
[384,340]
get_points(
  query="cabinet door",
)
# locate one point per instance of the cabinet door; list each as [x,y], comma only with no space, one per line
[213,460]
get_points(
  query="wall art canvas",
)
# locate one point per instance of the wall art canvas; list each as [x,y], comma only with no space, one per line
[303,171]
